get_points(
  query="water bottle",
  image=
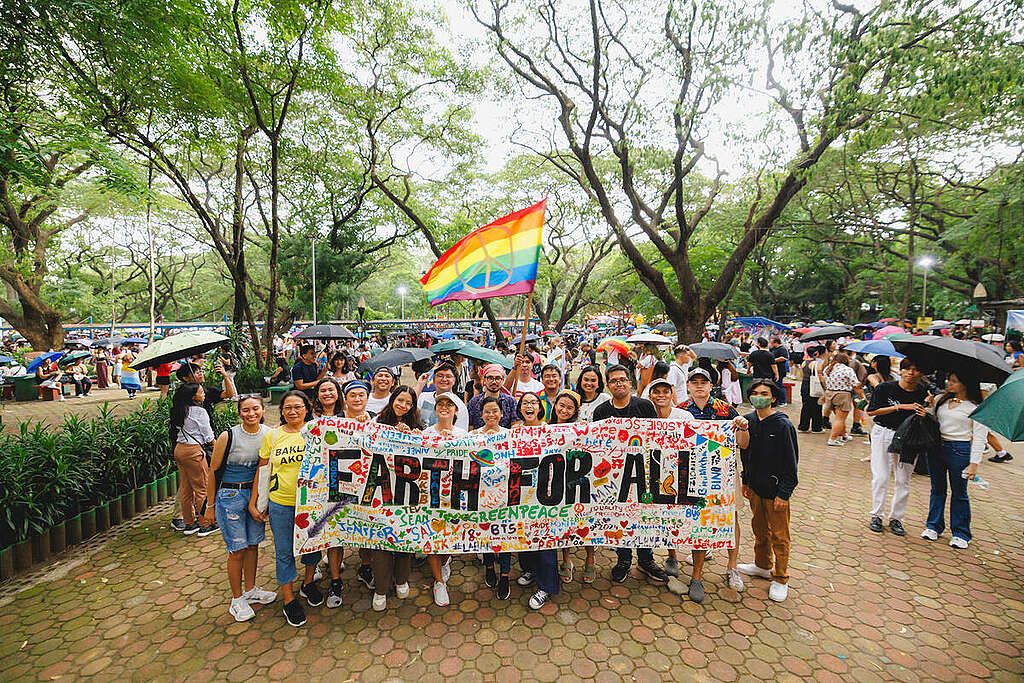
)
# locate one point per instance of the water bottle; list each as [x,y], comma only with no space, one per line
[982,484]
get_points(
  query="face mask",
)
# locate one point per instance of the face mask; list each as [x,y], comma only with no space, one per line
[761,402]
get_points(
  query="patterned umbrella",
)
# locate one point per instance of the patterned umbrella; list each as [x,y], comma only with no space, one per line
[613,344]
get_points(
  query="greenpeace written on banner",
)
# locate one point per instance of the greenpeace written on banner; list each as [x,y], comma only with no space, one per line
[622,482]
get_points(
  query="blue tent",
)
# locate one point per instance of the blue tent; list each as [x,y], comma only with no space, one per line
[758,321]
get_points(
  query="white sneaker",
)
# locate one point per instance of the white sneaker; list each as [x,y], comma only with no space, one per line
[957,542]
[930,535]
[446,570]
[735,580]
[258,595]
[836,442]
[538,599]
[525,579]
[318,574]
[753,570]
[778,591]
[380,602]
[440,594]
[402,590]
[847,437]
[241,610]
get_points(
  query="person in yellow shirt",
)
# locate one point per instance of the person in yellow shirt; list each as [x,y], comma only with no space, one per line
[283,449]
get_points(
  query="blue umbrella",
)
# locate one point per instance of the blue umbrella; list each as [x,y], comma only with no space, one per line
[39,360]
[4,360]
[879,347]
[136,340]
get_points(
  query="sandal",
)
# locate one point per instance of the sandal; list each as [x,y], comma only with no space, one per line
[589,573]
[565,571]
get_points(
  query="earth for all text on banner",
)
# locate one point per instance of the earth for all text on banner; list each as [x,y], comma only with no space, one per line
[622,482]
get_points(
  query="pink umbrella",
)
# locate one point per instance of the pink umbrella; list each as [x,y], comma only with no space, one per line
[888,329]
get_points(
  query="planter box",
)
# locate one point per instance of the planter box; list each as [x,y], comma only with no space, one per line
[41,547]
[88,524]
[127,506]
[102,518]
[23,555]
[140,500]
[58,538]
[161,488]
[74,530]
[6,563]
[115,511]
[151,497]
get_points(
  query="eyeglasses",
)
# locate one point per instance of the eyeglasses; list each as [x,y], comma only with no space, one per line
[619,380]
[242,397]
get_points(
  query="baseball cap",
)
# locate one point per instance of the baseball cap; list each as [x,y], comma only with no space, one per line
[447,395]
[661,381]
[699,372]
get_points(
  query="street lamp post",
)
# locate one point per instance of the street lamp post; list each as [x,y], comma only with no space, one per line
[361,307]
[401,291]
[925,262]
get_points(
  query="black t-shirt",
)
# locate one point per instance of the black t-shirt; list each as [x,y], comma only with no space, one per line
[761,362]
[213,395]
[281,362]
[638,407]
[890,394]
[781,356]
[307,373]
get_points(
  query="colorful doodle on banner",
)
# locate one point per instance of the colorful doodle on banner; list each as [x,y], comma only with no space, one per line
[623,482]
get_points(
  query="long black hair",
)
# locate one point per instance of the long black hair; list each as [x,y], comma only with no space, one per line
[411,418]
[319,409]
[600,380]
[183,399]
[972,388]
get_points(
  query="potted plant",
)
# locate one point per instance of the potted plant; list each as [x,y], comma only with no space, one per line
[73,528]
[58,538]
[102,517]
[127,505]
[6,563]
[140,500]
[151,497]
[161,488]
[114,505]
[88,523]
[41,547]
[23,554]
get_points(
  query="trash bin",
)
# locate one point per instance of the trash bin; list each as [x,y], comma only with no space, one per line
[24,388]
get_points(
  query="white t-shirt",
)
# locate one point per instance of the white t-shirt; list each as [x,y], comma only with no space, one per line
[642,364]
[522,387]
[613,357]
[456,431]
[375,405]
[587,409]
[679,414]
[429,417]
[677,375]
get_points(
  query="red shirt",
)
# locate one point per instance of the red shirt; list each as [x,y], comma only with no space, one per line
[163,370]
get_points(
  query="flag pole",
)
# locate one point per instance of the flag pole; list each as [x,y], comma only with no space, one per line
[522,342]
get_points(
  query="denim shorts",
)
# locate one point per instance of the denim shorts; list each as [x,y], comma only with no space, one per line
[282,524]
[237,526]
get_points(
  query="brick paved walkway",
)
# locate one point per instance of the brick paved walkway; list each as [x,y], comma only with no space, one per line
[53,412]
[148,604]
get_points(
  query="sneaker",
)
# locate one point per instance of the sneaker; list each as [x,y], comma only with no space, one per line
[696,590]
[653,571]
[380,602]
[241,610]
[753,570]
[957,542]
[676,586]
[565,571]
[896,527]
[490,578]
[1001,456]
[930,535]
[589,573]
[672,566]
[294,613]
[836,442]
[334,594]
[191,528]
[538,599]
[735,580]
[619,572]
[207,530]
[365,574]
[525,579]
[178,524]
[318,573]
[803,431]
[858,431]
[259,596]
[876,525]
[440,594]
[402,590]
[778,591]
[312,593]
[504,588]
[847,437]
[446,570]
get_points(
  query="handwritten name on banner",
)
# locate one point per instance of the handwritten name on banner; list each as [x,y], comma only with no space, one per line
[622,482]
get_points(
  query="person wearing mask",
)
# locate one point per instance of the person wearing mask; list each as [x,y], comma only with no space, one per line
[551,378]
[590,387]
[810,408]
[762,362]
[680,369]
[446,407]
[963,444]
[522,381]
[444,383]
[236,453]
[891,404]
[493,378]
[383,382]
[624,404]
[391,569]
[492,416]
[307,371]
[190,431]
[701,406]
[769,479]
[840,383]
[283,449]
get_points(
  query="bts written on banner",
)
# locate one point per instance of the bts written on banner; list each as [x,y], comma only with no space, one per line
[622,482]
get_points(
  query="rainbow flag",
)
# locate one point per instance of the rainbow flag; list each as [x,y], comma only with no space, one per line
[498,259]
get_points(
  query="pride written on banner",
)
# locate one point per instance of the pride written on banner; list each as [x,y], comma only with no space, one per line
[622,482]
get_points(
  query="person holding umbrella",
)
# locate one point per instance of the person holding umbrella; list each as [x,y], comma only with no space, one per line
[963,443]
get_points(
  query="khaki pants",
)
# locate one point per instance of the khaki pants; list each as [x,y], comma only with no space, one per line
[389,569]
[192,471]
[771,536]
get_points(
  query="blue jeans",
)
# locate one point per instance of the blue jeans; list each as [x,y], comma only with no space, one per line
[643,556]
[504,561]
[237,526]
[950,463]
[282,524]
[544,566]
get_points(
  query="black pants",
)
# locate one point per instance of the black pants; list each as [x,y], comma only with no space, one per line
[82,386]
[810,410]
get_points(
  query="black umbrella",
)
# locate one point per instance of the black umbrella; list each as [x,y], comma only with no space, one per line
[827,332]
[666,328]
[715,350]
[109,341]
[531,338]
[979,361]
[393,358]
[326,332]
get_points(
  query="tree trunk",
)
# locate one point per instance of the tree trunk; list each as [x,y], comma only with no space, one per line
[269,325]
[38,322]
[909,284]
[242,309]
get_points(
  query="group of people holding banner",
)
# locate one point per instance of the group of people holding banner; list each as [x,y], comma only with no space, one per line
[251,462]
